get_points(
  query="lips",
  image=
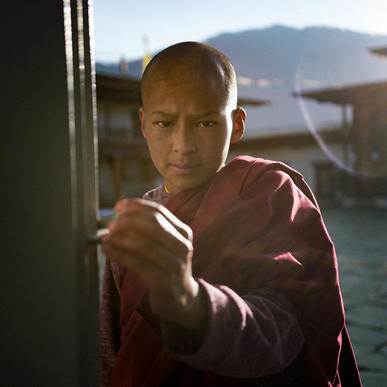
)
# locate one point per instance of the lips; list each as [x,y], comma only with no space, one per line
[182,168]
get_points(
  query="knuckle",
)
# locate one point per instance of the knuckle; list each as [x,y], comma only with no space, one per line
[146,204]
[121,204]
[188,233]
[186,248]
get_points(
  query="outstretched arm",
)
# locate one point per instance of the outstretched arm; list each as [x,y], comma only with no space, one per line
[151,241]
[248,336]
[209,327]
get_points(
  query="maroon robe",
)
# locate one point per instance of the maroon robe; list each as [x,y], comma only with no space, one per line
[256,226]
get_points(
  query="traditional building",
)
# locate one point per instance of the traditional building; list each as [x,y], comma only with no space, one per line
[365,138]
[299,150]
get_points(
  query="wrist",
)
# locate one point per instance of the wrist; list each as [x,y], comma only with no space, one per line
[192,313]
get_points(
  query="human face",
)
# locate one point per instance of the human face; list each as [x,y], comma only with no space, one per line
[188,124]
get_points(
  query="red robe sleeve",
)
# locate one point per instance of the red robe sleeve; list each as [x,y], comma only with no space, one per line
[248,336]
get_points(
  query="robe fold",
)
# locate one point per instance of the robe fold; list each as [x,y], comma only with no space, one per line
[257,227]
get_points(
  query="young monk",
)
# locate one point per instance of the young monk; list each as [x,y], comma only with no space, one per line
[225,275]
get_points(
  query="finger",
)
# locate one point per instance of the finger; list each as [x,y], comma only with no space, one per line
[145,270]
[142,204]
[121,205]
[153,225]
[146,249]
[184,229]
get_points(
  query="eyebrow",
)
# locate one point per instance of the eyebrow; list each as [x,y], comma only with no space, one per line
[163,113]
[197,116]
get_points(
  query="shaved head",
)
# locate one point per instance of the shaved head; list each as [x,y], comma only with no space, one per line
[191,61]
[189,115]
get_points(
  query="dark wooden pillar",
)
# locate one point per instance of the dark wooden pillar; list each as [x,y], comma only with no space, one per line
[362,134]
[346,133]
[116,167]
[48,275]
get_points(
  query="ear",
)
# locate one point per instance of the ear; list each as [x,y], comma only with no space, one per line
[238,122]
[142,119]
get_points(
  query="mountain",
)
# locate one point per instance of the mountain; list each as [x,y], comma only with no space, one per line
[272,62]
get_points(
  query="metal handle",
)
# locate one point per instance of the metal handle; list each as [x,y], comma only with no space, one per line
[96,239]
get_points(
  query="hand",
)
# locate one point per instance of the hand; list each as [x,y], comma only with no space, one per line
[151,241]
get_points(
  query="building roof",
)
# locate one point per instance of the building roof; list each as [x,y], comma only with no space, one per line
[122,88]
[382,51]
[294,139]
[349,94]
[252,102]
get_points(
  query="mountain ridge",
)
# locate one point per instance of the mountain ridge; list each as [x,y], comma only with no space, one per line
[271,62]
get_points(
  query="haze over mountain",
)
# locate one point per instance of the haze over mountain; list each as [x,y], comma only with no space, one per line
[272,62]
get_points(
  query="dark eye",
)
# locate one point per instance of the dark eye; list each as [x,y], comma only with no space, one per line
[163,124]
[206,124]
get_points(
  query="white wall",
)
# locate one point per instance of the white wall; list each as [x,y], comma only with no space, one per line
[300,158]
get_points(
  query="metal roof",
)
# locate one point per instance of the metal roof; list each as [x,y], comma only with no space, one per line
[382,51]
[363,93]
[295,139]
[252,102]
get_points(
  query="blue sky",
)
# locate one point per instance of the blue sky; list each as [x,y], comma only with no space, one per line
[120,25]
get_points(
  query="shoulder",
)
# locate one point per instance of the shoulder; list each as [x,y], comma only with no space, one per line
[269,175]
[259,165]
[252,169]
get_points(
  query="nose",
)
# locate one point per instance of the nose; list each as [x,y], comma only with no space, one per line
[184,139]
